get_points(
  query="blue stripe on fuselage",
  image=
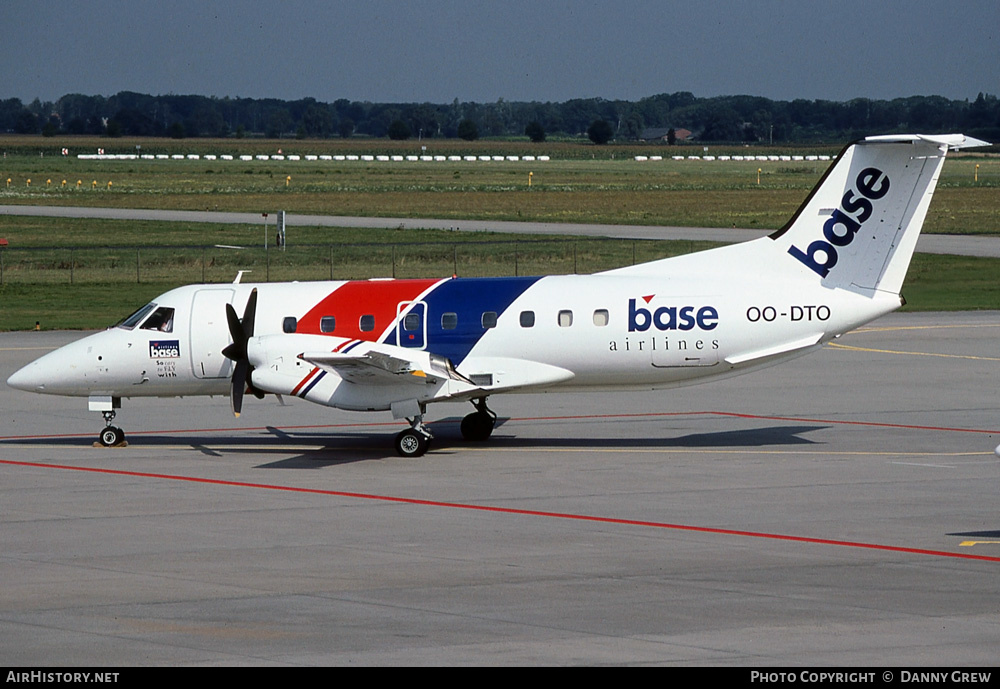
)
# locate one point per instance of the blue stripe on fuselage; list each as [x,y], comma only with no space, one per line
[468,299]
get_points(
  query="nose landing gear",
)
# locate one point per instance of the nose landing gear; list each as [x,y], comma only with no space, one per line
[111,436]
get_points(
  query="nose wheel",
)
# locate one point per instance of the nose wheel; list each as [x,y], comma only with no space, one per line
[111,436]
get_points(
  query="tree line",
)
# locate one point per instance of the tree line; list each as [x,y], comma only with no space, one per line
[718,119]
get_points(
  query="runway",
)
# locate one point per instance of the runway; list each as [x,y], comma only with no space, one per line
[838,510]
[960,245]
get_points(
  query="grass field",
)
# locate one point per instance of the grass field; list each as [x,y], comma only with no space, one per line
[568,188]
[75,273]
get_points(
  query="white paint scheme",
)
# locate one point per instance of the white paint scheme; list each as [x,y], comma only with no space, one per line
[751,305]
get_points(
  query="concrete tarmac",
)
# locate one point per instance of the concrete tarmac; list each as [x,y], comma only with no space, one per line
[838,510]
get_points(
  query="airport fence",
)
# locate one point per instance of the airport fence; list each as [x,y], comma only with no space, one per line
[216,263]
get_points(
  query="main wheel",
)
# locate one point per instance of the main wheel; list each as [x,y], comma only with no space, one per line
[111,436]
[477,426]
[411,443]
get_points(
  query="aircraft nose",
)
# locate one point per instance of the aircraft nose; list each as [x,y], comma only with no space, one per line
[54,373]
[30,378]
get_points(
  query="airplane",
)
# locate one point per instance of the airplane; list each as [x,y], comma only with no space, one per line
[399,345]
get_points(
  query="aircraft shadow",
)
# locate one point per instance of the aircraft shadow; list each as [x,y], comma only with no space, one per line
[448,439]
[324,448]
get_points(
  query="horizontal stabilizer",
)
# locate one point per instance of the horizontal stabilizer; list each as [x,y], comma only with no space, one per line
[785,348]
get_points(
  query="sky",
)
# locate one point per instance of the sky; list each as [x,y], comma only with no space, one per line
[519,50]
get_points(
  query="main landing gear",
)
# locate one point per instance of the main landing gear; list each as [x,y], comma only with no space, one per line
[478,426]
[414,441]
[111,436]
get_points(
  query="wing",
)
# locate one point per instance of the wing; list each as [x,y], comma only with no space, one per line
[375,367]
[361,375]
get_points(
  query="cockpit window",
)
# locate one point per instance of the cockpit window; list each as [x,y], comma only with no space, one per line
[135,317]
[162,320]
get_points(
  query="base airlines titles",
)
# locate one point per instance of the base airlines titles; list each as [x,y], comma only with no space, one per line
[667,318]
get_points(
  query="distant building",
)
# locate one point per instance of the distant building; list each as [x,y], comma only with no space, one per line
[660,134]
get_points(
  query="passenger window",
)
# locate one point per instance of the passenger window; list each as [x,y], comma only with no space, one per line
[327,324]
[161,320]
[411,322]
[489,319]
[449,321]
[601,317]
[367,323]
[527,319]
[289,324]
[565,319]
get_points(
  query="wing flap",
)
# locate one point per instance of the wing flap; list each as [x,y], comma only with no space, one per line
[372,368]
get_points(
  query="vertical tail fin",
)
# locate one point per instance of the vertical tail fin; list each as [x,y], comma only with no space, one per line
[858,228]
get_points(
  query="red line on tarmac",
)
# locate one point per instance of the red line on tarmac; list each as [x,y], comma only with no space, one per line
[570,417]
[512,511]
[241,429]
[755,416]
[856,423]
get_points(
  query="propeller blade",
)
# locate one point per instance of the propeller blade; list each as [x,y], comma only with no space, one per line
[239,385]
[241,332]
[250,314]
[238,349]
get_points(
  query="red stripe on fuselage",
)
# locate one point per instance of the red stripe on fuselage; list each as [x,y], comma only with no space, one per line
[352,300]
[313,372]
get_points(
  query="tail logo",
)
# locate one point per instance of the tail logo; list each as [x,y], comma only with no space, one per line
[855,208]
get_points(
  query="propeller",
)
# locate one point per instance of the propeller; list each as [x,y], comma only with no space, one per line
[241,332]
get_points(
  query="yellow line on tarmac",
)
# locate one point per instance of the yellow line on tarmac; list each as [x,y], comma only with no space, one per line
[25,349]
[967,543]
[893,351]
[887,328]
[691,450]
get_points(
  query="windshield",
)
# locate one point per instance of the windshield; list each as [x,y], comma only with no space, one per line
[135,317]
[161,320]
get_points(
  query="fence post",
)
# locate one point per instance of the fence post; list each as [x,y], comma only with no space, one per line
[393,260]
[515,258]
[203,265]
[331,261]
[71,262]
[137,280]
